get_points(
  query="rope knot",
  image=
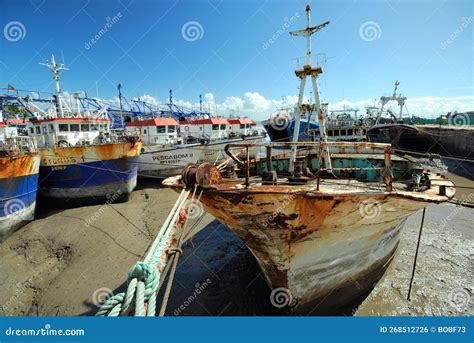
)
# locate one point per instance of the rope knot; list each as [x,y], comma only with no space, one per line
[172,251]
[142,272]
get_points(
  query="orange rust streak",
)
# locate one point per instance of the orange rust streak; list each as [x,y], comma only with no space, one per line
[113,151]
[16,166]
[100,152]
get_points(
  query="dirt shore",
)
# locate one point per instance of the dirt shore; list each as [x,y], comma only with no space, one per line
[443,282]
[66,262]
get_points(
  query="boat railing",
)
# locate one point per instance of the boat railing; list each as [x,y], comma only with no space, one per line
[317,61]
[340,147]
[19,145]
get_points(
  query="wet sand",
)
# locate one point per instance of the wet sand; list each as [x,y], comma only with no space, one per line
[58,265]
[443,282]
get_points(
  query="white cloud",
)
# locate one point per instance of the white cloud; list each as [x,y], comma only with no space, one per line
[258,107]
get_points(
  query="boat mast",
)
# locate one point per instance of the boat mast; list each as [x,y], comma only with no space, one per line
[171,101]
[308,70]
[399,98]
[119,88]
[55,68]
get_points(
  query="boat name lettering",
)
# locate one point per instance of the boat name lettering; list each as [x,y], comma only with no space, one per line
[167,158]
[58,161]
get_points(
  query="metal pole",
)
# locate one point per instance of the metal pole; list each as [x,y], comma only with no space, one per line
[119,87]
[322,123]
[296,130]
[269,158]
[416,253]
[388,169]
[247,167]
[308,36]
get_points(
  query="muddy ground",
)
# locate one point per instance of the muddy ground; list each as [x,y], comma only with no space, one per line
[67,261]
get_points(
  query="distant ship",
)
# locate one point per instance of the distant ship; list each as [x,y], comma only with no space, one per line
[450,137]
[280,127]
[342,125]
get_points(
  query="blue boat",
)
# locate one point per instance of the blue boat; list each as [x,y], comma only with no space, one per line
[280,128]
[19,167]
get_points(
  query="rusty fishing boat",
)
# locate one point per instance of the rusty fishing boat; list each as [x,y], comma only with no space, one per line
[83,161]
[19,168]
[323,219]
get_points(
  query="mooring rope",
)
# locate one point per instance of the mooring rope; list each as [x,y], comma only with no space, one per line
[144,277]
[177,252]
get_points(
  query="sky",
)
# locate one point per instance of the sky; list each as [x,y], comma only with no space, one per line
[238,53]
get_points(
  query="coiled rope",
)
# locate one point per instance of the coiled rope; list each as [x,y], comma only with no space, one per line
[144,277]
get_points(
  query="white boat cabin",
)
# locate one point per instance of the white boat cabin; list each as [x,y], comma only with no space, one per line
[156,131]
[9,129]
[208,128]
[69,131]
[241,126]
[3,135]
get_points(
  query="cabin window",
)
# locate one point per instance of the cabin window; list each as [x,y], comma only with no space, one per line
[222,126]
[350,132]
[74,127]
[171,128]
[63,127]
[38,130]
[94,127]
[51,128]
[161,129]
[247,126]
[32,130]
[330,133]
[242,126]
[215,127]
[85,127]
[103,127]
[144,131]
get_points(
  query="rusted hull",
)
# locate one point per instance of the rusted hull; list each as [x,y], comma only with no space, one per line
[89,174]
[18,186]
[325,250]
